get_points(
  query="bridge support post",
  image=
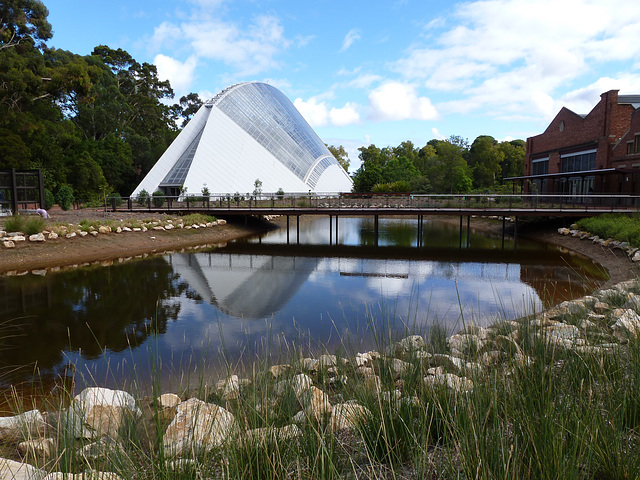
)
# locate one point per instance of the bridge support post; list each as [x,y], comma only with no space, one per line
[330,229]
[460,240]
[515,232]
[298,229]
[287,229]
[468,229]
[336,229]
[375,229]
[504,223]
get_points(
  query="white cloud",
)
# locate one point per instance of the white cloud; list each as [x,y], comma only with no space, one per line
[319,114]
[399,101]
[436,134]
[351,37]
[316,114]
[512,56]
[347,115]
[180,74]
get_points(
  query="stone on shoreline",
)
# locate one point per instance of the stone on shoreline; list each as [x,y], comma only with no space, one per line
[26,425]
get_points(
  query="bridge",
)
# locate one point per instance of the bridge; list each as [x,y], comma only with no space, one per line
[510,207]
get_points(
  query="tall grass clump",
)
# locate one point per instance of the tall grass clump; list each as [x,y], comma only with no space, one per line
[625,228]
[14,223]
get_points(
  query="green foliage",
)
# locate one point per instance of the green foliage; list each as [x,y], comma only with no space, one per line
[143,197]
[158,198]
[340,155]
[280,192]
[625,228]
[257,187]
[34,224]
[64,197]
[49,199]
[115,196]
[14,223]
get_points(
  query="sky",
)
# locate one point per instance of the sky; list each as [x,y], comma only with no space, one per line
[380,72]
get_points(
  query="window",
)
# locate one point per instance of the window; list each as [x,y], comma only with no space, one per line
[578,162]
[540,166]
[637,144]
[629,148]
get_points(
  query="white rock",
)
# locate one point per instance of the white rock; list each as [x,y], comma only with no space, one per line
[300,383]
[100,411]
[12,470]
[19,238]
[287,433]
[198,427]
[627,324]
[70,235]
[38,237]
[9,244]
[347,416]
[25,425]
[454,382]
[168,400]
[104,229]
[315,403]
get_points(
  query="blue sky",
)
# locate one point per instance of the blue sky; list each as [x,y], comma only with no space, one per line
[380,72]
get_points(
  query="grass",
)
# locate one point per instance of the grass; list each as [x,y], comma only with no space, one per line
[625,228]
[29,225]
[541,411]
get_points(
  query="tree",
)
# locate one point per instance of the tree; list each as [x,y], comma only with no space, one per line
[257,187]
[485,160]
[448,171]
[188,107]
[513,163]
[341,156]
[23,20]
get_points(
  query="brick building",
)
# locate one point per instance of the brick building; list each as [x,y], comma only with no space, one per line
[594,153]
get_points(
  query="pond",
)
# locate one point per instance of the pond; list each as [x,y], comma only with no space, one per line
[181,319]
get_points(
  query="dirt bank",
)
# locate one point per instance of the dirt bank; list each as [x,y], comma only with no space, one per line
[27,256]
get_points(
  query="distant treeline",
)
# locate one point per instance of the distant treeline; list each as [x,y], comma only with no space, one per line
[441,166]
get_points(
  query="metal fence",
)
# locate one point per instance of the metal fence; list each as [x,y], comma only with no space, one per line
[442,202]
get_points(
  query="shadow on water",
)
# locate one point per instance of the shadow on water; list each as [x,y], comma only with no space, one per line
[178,313]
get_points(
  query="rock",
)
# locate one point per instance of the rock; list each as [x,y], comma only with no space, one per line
[309,364]
[300,383]
[222,221]
[9,244]
[465,344]
[325,361]
[40,448]
[82,233]
[38,237]
[563,331]
[363,359]
[448,362]
[104,448]
[168,400]
[97,412]
[27,425]
[287,433]
[198,427]
[372,383]
[627,324]
[104,229]
[601,307]
[70,235]
[399,367]
[126,229]
[229,389]
[564,231]
[89,475]
[315,403]
[636,257]
[19,238]
[11,470]
[158,227]
[347,416]
[168,227]
[406,346]
[278,370]
[454,382]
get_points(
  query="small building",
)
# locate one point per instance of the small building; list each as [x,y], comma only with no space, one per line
[598,152]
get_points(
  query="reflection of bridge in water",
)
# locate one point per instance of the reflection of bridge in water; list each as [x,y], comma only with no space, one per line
[252,280]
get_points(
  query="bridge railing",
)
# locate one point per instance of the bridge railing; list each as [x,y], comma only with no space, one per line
[275,201]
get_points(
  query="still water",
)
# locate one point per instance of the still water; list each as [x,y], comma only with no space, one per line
[181,317]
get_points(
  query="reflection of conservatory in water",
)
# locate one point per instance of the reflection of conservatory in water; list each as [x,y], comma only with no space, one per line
[583,154]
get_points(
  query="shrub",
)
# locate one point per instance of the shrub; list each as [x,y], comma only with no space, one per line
[143,197]
[14,223]
[158,198]
[33,225]
[49,199]
[280,192]
[65,197]
[115,196]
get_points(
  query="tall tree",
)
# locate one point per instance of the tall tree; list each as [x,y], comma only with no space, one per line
[341,156]
[513,163]
[485,160]
[23,20]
